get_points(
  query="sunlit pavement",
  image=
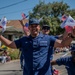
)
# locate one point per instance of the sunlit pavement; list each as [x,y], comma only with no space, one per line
[61,69]
[10,68]
[13,67]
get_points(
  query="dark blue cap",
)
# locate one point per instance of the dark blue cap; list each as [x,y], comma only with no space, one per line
[72,47]
[33,21]
[46,27]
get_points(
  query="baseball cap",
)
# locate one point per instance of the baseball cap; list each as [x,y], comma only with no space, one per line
[34,21]
[72,47]
[46,27]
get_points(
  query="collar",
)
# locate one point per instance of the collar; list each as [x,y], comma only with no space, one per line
[40,35]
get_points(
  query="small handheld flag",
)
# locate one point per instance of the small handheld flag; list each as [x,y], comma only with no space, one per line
[68,29]
[3,23]
[68,24]
[64,17]
[24,16]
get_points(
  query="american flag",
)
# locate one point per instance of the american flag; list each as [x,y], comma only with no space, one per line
[68,22]
[63,24]
[68,29]
[64,17]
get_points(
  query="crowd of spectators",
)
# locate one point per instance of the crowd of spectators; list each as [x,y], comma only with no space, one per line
[4,57]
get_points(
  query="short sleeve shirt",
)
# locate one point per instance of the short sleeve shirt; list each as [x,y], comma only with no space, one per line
[69,65]
[52,49]
[36,53]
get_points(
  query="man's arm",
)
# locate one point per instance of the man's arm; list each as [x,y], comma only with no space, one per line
[7,42]
[26,32]
[63,43]
[53,62]
[66,40]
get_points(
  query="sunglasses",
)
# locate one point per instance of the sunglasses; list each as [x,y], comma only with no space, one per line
[46,28]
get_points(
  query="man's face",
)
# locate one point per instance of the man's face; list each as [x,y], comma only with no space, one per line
[34,29]
[45,30]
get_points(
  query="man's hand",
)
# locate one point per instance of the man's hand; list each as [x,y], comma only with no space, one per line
[73,32]
[21,22]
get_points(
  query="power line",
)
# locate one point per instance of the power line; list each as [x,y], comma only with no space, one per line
[12,4]
[15,11]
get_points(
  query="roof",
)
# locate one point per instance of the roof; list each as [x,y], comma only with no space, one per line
[15,26]
[16,23]
[13,29]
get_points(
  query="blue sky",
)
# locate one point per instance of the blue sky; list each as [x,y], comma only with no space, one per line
[14,12]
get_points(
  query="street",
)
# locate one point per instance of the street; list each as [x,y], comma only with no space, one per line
[10,68]
[13,67]
[61,69]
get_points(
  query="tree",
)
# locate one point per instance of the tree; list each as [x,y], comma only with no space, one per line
[50,14]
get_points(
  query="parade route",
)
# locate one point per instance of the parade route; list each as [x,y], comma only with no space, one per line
[13,67]
[10,68]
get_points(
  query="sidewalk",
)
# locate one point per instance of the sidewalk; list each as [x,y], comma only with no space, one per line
[11,61]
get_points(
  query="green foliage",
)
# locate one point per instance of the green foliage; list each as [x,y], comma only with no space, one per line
[58,8]
[50,14]
[14,54]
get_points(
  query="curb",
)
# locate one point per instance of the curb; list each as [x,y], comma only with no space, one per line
[11,61]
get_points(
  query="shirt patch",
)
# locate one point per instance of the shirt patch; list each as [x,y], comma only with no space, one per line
[35,44]
[43,43]
[26,42]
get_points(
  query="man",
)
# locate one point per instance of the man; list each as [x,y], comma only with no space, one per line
[36,49]
[68,62]
[46,29]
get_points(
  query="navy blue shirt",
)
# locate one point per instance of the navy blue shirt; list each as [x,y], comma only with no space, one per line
[36,53]
[52,49]
[69,65]
[22,59]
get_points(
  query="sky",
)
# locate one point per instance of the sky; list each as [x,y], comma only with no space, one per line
[13,9]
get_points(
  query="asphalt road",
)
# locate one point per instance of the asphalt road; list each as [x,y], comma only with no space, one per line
[13,67]
[61,69]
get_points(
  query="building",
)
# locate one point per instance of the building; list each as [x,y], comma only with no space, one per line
[14,29]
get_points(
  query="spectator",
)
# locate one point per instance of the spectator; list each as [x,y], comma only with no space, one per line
[4,56]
